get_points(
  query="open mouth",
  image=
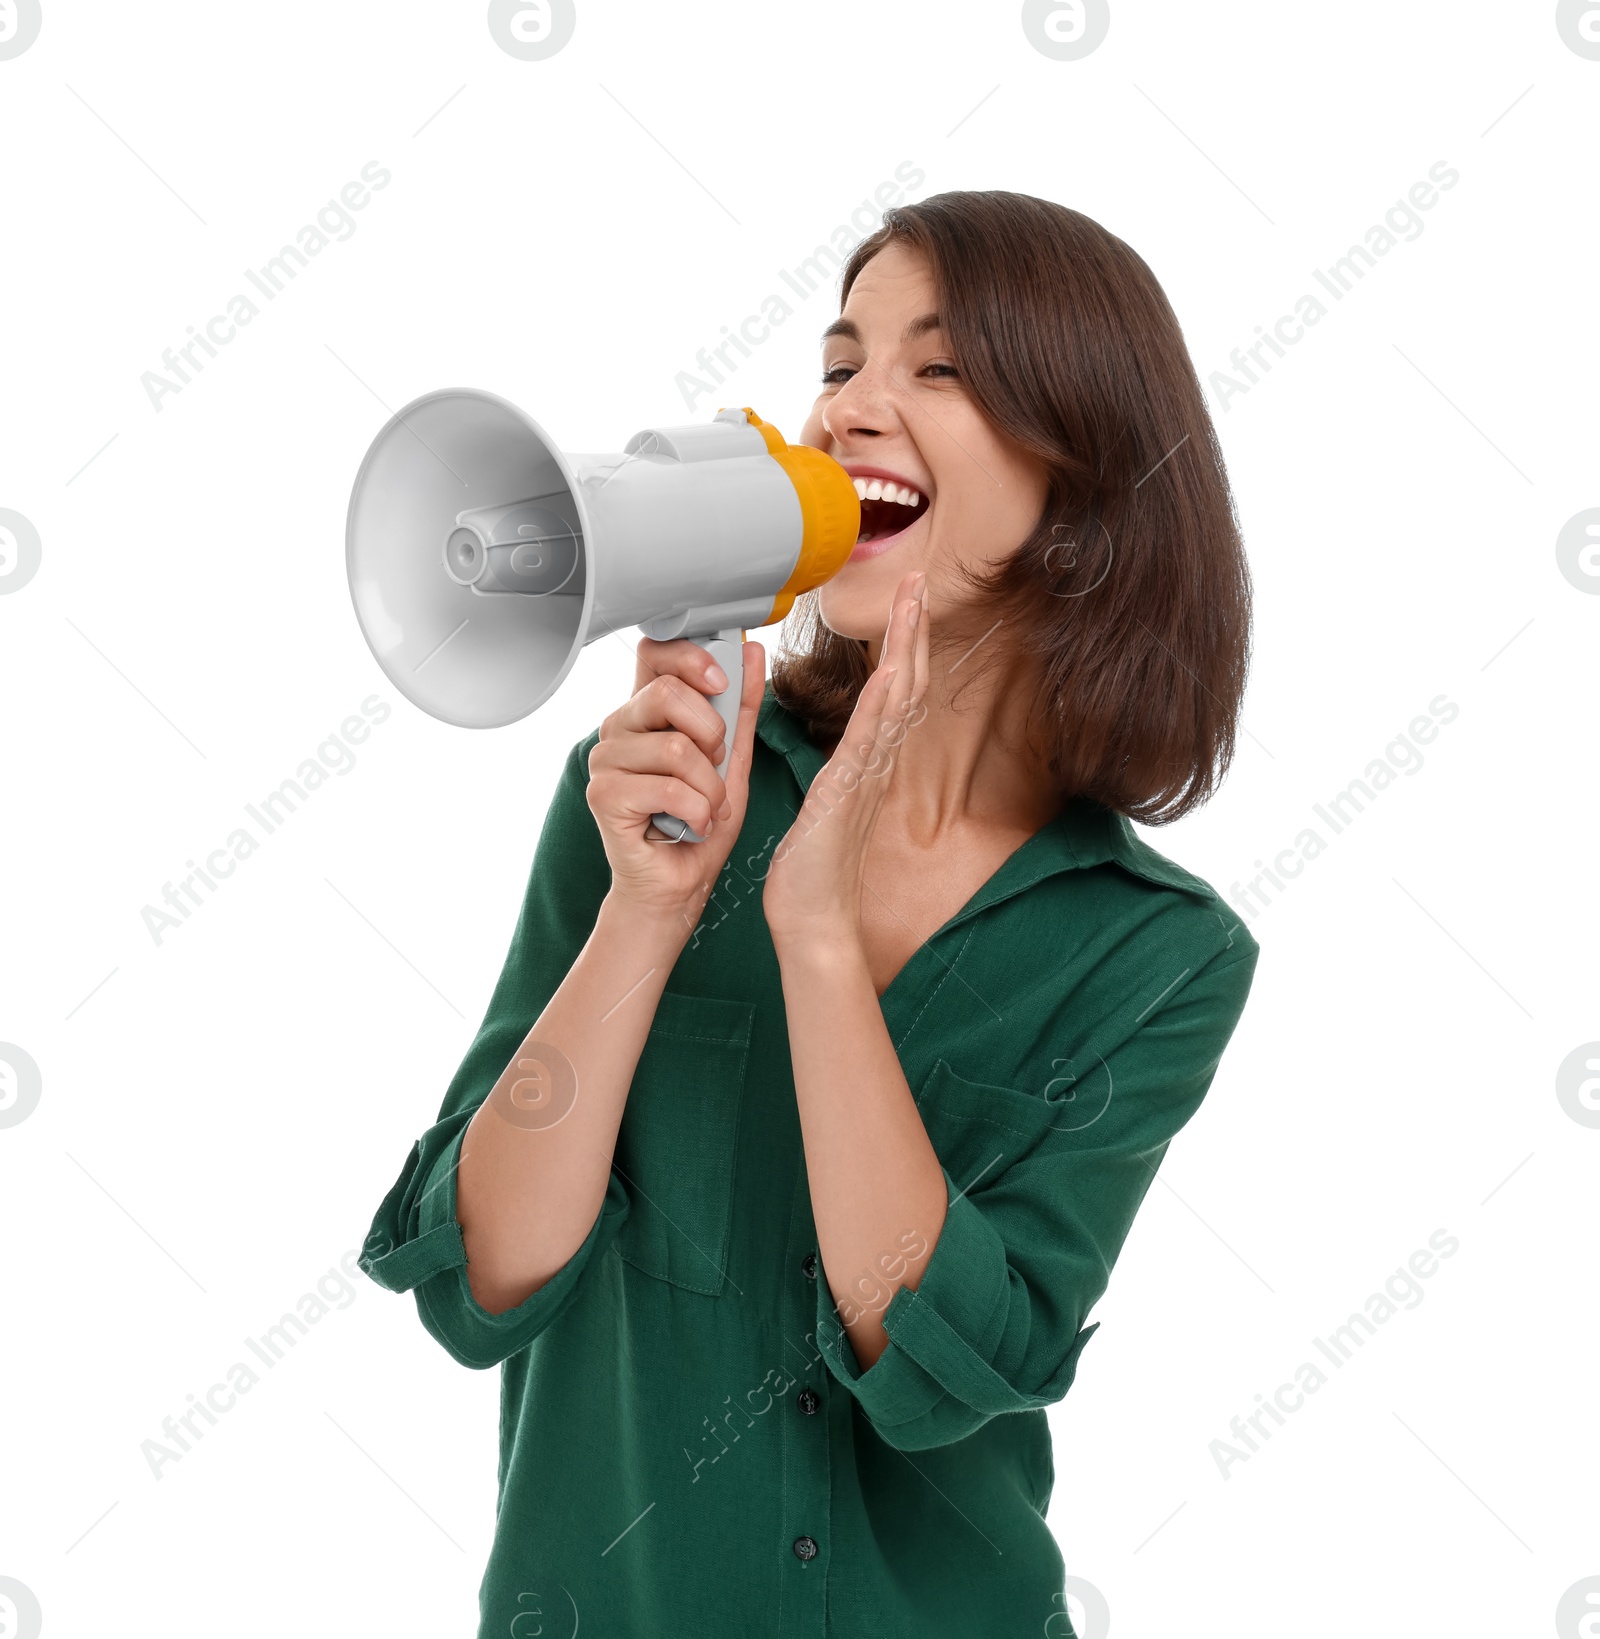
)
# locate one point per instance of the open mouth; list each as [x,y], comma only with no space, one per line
[887,509]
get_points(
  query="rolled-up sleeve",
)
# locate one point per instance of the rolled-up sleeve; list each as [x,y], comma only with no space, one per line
[999,1318]
[414,1243]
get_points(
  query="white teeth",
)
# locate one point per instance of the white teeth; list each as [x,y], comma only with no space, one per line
[876,489]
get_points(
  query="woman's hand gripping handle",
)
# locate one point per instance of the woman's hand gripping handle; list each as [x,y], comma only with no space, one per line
[726,649]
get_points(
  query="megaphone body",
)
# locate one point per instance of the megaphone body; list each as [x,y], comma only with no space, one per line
[482,558]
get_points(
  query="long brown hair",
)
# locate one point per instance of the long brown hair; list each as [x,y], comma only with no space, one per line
[1130,601]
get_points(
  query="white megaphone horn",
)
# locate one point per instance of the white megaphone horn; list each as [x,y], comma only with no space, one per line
[482,558]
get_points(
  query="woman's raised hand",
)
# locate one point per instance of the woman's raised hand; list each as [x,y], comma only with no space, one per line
[813,888]
[658,753]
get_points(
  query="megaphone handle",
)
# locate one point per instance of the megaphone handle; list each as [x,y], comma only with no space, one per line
[727,649]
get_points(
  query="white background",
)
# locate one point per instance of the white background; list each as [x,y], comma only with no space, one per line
[222,1112]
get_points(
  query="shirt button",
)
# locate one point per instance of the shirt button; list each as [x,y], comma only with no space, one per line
[805,1548]
[808,1268]
[807,1402]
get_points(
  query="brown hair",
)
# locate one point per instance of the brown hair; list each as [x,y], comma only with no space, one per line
[1130,601]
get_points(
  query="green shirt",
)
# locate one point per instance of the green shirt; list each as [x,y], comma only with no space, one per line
[688,1445]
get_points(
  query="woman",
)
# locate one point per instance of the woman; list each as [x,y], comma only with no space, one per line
[783,1209]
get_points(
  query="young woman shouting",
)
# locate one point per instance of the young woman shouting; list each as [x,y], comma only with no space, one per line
[787,1166]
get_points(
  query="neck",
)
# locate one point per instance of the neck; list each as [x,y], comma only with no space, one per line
[967,759]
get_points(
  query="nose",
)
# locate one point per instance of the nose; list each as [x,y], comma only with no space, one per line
[863,407]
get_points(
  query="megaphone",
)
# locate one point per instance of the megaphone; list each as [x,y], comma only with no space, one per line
[482,558]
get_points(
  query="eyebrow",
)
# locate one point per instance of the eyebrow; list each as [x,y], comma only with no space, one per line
[917,327]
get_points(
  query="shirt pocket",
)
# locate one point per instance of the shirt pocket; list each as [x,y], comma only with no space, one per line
[678,1140]
[979,1128]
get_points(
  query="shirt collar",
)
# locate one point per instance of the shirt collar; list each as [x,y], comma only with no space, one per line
[1084,833]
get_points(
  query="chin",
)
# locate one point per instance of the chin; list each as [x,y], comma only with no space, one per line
[856,602]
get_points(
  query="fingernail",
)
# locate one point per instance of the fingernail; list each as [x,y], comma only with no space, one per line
[716,677]
[916,614]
